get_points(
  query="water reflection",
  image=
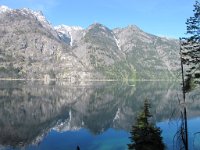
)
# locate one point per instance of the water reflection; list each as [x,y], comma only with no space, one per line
[33,113]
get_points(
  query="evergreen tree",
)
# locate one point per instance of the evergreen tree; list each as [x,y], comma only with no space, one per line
[144,135]
[190,46]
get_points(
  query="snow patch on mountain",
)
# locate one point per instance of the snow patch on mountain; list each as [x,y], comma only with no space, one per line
[27,12]
[117,115]
[117,42]
[65,28]
[4,9]
[39,15]
[68,30]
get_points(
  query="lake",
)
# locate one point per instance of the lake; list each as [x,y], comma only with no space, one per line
[91,115]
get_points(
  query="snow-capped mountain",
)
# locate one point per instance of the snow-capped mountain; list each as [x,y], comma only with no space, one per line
[25,11]
[38,15]
[32,48]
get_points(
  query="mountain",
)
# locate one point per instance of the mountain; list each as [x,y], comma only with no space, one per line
[30,47]
[125,52]
[152,56]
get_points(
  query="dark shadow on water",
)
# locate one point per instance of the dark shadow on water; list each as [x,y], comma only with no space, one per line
[77,148]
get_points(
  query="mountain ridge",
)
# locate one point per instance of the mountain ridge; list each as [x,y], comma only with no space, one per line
[70,52]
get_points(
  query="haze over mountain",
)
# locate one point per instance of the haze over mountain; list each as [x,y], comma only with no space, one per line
[30,47]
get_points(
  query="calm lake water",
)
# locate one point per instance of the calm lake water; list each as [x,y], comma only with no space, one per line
[94,115]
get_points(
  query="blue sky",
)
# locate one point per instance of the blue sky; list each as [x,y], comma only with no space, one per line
[160,17]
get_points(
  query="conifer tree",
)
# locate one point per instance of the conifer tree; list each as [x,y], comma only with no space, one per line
[190,46]
[144,135]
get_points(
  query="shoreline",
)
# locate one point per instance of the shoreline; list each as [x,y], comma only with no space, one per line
[88,80]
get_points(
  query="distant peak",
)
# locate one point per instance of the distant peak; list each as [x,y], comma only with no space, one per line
[37,13]
[129,27]
[98,25]
[133,26]
[4,8]
[26,11]
[65,27]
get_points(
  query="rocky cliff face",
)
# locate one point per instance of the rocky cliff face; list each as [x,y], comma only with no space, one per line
[31,48]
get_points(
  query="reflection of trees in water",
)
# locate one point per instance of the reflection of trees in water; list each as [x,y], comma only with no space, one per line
[190,67]
[27,110]
[187,107]
[181,135]
[145,135]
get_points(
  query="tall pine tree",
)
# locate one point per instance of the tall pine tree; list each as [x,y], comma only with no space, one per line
[144,135]
[190,47]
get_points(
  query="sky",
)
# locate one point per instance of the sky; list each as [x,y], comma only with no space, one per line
[160,17]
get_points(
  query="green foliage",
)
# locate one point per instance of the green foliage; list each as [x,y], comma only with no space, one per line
[144,135]
[190,47]
[118,71]
[193,24]
[148,67]
[9,72]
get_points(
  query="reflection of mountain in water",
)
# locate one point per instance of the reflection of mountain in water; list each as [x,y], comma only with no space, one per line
[28,111]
